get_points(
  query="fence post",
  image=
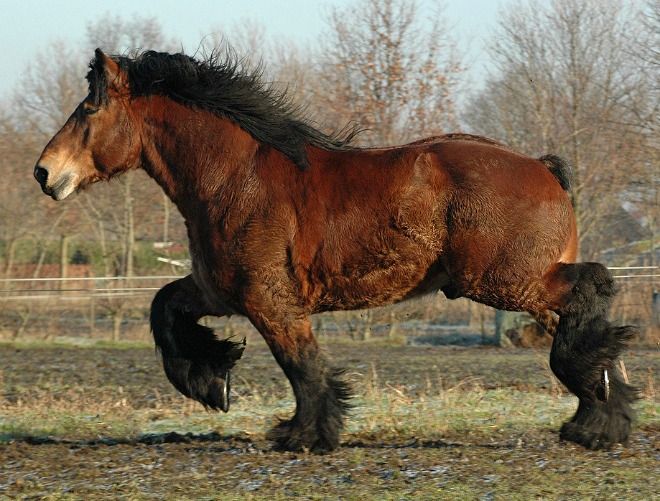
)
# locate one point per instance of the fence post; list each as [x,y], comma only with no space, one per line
[92,315]
[64,256]
[505,320]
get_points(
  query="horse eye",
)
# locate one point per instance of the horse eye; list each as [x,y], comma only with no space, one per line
[90,111]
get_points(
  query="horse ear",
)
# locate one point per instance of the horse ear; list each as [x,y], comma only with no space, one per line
[115,76]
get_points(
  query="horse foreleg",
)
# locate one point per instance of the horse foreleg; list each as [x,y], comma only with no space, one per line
[321,394]
[195,361]
[584,351]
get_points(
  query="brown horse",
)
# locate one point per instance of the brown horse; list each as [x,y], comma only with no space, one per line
[285,221]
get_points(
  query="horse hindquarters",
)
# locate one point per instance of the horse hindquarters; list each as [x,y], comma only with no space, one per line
[195,361]
[583,355]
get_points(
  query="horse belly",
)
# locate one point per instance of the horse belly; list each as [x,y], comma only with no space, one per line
[384,276]
[395,248]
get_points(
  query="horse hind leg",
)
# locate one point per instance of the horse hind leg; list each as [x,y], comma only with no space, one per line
[195,361]
[547,319]
[585,348]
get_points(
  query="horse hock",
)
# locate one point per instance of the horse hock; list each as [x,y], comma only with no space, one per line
[583,357]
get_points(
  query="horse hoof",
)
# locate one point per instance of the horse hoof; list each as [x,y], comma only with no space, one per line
[602,391]
[224,394]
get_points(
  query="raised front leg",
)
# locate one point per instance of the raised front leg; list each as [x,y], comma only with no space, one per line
[321,395]
[195,361]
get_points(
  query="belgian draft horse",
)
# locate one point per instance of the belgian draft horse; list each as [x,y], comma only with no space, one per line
[285,221]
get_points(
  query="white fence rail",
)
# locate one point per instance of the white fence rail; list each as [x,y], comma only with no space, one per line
[99,287]
[94,291]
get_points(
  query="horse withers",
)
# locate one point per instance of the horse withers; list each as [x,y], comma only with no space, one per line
[285,221]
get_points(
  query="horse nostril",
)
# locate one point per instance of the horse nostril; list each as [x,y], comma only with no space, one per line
[41,175]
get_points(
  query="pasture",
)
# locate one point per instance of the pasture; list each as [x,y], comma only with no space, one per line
[430,422]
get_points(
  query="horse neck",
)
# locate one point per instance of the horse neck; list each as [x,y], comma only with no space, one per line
[192,154]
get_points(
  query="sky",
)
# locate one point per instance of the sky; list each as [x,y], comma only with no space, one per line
[29,26]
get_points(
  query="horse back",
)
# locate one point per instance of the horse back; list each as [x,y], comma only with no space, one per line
[370,227]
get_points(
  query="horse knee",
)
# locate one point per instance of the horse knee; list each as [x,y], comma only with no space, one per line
[591,289]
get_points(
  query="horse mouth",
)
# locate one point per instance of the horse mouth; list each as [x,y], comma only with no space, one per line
[60,190]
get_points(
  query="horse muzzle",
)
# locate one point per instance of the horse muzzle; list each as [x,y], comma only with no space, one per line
[41,175]
[58,189]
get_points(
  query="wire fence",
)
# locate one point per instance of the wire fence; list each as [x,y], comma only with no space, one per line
[118,306]
[8,293]
[29,288]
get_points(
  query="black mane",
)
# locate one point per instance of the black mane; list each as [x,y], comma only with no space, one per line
[222,87]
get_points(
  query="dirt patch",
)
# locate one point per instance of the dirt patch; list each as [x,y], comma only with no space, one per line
[431,423]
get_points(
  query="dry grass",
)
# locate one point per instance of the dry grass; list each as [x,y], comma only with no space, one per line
[381,409]
[429,423]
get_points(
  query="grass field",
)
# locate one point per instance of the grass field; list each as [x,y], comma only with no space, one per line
[429,423]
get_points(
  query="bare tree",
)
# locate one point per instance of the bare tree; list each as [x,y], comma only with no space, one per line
[566,83]
[247,39]
[43,99]
[118,35]
[647,114]
[50,89]
[21,212]
[386,67]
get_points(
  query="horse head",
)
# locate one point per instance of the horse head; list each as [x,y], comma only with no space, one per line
[98,140]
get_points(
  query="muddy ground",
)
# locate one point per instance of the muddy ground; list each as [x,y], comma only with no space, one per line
[431,423]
